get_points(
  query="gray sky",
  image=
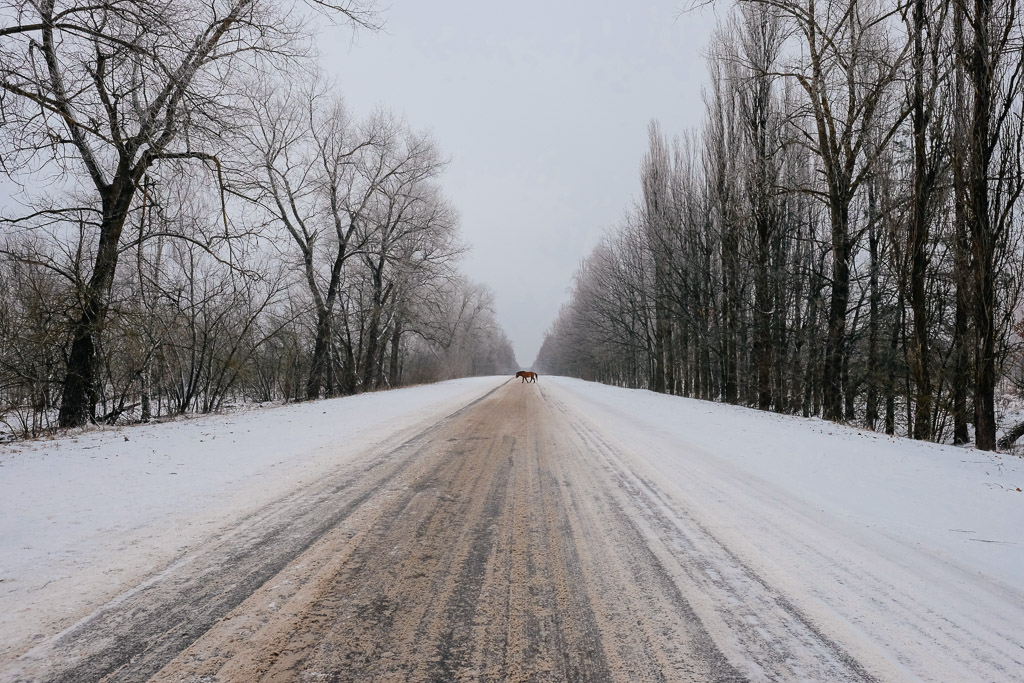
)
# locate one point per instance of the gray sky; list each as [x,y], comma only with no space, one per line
[543,108]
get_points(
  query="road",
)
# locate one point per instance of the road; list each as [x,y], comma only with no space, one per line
[512,541]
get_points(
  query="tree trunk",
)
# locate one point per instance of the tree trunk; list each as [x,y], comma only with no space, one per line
[763,356]
[729,314]
[874,300]
[349,378]
[319,364]
[369,368]
[810,369]
[982,238]
[660,335]
[918,241]
[79,394]
[961,356]
[394,374]
[849,394]
[835,342]
[890,366]
[686,365]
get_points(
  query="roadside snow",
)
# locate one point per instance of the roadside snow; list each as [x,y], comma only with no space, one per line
[909,554]
[960,504]
[81,516]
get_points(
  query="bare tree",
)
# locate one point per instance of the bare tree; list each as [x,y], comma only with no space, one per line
[751,49]
[847,70]
[924,25]
[315,173]
[456,334]
[989,74]
[108,90]
[411,225]
[832,126]
[659,221]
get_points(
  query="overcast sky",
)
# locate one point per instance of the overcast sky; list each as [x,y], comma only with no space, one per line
[543,108]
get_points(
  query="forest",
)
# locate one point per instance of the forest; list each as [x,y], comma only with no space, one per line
[196,220]
[841,237]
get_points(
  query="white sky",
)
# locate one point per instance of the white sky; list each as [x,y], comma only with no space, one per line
[543,108]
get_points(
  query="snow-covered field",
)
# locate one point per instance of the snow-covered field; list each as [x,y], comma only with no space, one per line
[865,533]
[81,516]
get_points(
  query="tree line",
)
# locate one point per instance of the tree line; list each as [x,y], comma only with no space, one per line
[201,221]
[843,235]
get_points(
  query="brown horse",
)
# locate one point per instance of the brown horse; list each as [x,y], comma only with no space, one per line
[527,376]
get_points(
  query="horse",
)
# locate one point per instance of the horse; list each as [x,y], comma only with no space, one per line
[527,376]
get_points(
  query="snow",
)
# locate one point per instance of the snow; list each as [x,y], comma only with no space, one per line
[959,504]
[910,554]
[81,516]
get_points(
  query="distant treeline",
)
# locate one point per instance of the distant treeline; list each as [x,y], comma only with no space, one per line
[843,237]
[204,222]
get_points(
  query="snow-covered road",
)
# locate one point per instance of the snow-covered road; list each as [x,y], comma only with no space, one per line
[484,529]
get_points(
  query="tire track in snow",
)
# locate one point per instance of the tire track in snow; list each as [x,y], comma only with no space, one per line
[500,561]
[899,612]
[511,541]
[138,632]
[771,638]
